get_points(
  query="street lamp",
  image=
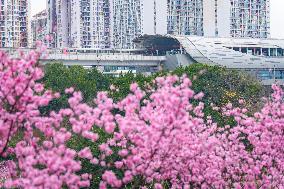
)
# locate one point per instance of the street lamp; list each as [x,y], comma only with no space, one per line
[274,72]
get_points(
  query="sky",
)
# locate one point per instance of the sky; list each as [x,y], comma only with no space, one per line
[277,15]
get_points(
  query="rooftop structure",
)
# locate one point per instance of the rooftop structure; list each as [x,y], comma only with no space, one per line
[235,52]
[14,23]
[263,58]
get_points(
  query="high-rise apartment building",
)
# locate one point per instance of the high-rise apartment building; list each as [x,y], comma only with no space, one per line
[127,22]
[237,18]
[79,23]
[185,17]
[14,23]
[116,23]
[220,18]
[103,23]
[38,27]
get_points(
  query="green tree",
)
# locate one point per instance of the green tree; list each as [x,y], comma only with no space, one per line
[124,81]
[59,77]
[221,85]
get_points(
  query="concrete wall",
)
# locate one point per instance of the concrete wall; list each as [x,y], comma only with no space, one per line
[161,19]
[223,18]
[178,60]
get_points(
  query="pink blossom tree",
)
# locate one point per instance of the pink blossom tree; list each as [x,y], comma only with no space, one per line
[256,156]
[160,135]
[40,158]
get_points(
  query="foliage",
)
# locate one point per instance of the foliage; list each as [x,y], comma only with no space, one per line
[59,77]
[221,86]
[122,84]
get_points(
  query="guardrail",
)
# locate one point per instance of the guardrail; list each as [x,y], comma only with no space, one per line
[56,55]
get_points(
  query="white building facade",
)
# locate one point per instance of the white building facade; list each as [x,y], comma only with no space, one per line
[214,18]
[219,18]
[154,17]
[262,58]
[38,28]
[14,23]
[116,23]
[79,24]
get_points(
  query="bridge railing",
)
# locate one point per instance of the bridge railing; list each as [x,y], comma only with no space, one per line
[104,57]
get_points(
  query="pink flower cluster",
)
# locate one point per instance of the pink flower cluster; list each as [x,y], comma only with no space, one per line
[160,133]
[4,171]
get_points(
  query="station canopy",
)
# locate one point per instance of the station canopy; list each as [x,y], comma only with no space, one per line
[153,43]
